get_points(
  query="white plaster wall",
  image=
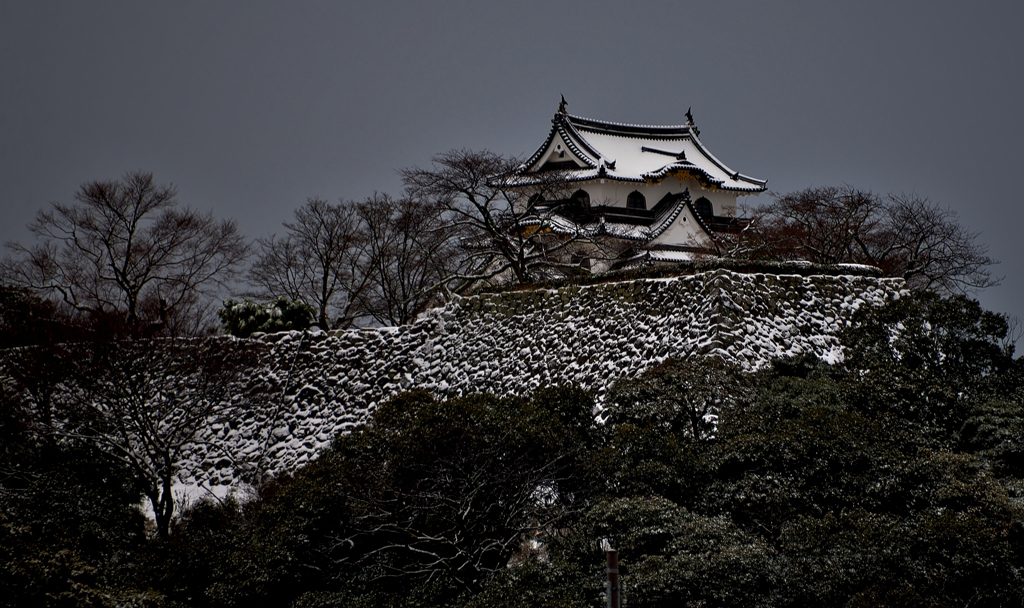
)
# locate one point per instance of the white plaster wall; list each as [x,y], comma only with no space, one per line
[684,231]
[557,152]
[614,193]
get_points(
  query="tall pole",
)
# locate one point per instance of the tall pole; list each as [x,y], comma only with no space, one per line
[612,586]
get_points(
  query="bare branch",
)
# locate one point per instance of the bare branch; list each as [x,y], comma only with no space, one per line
[408,254]
[143,402]
[904,235]
[486,204]
[316,263]
[127,248]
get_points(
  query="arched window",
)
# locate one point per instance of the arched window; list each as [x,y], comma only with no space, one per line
[635,200]
[704,209]
[582,198]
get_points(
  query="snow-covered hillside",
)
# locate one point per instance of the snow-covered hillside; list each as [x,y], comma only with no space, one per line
[311,387]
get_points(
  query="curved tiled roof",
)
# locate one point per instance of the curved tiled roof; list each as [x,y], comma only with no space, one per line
[638,153]
[601,223]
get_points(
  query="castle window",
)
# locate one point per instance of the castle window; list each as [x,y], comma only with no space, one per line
[703,208]
[583,261]
[635,200]
[581,198]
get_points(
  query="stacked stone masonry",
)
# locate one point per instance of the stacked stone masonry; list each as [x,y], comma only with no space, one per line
[314,386]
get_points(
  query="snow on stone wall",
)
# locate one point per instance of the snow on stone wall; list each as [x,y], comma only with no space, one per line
[314,386]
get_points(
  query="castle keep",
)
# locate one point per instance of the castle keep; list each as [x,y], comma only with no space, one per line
[646,194]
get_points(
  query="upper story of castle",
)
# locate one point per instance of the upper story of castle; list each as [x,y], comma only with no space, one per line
[636,166]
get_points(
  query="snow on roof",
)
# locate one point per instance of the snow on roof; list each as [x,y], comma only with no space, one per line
[647,256]
[671,256]
[637,153]
[600,225]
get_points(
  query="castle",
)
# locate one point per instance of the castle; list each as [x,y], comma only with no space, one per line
[644,193]
[634,188]
[651,194]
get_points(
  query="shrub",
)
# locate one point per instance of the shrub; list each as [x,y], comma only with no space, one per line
[246,317]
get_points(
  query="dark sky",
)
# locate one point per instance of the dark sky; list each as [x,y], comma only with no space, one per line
[251,107]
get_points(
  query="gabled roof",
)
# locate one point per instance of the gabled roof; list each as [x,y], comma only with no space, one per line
[594,149]
[629,224]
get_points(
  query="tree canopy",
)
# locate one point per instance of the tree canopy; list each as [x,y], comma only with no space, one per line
[127,248]
[903,234]
[893,478]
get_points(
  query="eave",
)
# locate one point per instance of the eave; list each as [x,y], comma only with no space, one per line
[576,133]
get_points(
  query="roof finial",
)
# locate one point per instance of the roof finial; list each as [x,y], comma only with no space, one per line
[561,106]
[689,116]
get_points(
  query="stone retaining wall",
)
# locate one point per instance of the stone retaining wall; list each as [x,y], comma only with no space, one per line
[315,386]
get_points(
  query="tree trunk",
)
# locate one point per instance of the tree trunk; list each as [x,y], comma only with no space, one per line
[163,508]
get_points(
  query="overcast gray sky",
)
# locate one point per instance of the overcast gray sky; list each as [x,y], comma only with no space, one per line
[251,107]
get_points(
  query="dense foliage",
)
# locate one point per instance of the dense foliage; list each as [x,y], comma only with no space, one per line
[70,528]
[247,317]
[895,478]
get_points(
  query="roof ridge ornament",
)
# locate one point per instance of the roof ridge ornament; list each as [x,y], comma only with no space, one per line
[690,123]
[561,106]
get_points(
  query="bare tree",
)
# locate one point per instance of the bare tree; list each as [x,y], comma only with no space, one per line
[128,249]
[143,402]
[1014,332]
[318,262]
[926,244]
[746,240]
[487,201]
[904,235]
[825,225]
[408,254]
